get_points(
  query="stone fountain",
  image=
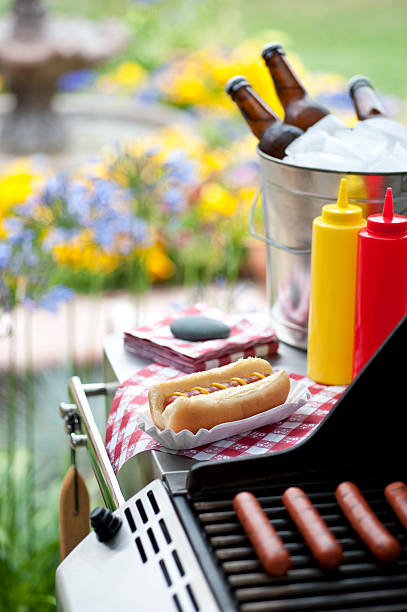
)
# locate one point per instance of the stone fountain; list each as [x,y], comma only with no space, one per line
[35,51]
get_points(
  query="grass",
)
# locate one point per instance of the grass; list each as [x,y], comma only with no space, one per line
[346,36]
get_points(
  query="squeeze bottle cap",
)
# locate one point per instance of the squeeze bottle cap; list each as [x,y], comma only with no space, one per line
[342,212]
[387,223]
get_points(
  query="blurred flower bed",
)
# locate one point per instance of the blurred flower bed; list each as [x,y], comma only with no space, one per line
[169,208]
[195,81]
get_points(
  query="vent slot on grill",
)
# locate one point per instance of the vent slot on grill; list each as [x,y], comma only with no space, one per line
[153,502]
[165,572]
[141,550]
[178,563]
[177,604]
[130,520]
[361,582]
[192,597]
[165,531]
[141,511]
[152,539]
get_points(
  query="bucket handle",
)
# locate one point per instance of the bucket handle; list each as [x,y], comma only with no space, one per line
[270,241]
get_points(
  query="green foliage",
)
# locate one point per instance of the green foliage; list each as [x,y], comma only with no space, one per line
[27,563]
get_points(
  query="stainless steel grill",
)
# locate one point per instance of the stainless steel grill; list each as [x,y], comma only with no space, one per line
[181,547]
[150,562]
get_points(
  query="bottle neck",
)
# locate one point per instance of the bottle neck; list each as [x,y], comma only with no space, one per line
[257,113]
[367,103]
[286,82]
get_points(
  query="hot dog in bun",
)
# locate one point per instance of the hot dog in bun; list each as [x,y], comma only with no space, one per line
[229,393]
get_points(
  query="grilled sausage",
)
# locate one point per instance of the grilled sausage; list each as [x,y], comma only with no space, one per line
[322,543]
[266,542]
[369,528]
[396,495]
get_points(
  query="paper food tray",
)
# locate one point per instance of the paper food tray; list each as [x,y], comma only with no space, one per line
[297,397]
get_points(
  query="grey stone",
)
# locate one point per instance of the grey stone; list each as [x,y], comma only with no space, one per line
[199,327]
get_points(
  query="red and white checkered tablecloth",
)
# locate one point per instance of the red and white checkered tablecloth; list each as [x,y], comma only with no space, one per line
[124,439]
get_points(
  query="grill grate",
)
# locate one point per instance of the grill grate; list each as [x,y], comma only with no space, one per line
[361,583]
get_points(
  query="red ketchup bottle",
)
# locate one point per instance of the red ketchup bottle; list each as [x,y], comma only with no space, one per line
[381,285]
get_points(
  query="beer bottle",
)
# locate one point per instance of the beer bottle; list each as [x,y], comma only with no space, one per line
[299,108]
[365,99]
[274,135]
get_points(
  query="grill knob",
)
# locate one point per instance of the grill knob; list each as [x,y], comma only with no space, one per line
[105,523]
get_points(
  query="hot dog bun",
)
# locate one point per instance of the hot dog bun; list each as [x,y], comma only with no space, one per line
[232,404]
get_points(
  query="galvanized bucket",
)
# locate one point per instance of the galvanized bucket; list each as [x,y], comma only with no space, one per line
[292,197]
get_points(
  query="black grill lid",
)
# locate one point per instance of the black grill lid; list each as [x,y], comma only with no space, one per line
[367,425]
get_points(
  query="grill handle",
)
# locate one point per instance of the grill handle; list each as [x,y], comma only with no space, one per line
[108,483]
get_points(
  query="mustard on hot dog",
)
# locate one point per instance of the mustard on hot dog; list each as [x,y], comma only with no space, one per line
[229,393]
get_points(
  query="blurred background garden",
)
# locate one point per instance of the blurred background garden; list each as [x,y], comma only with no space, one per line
[144,202]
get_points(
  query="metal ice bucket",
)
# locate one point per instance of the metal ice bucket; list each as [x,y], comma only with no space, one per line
[292,197]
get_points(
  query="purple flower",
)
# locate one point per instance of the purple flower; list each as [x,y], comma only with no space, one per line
[139,230]
[14,227]
[5,255]
[55,296]
[243,175]
[174,199]
[76,80]
[181,168]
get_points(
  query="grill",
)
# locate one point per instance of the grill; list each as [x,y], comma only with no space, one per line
[187,542]
[361,583]
[370,453]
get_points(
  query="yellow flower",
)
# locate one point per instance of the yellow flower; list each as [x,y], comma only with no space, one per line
[15,185]
[215,199]
[159,265]
[213,161]
[82,253]
[127,76]
[246,195]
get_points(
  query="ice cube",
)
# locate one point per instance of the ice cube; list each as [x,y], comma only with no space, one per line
[325,161]
[390,161]
[393,130]
[340,144]
[328,124]
[310,141]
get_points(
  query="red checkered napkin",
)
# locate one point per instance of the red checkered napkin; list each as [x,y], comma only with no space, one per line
[124,439]
[246,339]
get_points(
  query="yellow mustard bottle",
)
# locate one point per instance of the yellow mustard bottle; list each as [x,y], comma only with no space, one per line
[333,290]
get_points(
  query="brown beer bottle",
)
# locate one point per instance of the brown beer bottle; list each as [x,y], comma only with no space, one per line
[365,99]
[299,108]
[274,135]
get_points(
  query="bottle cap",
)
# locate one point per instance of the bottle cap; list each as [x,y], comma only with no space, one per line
[342,212]
[387,223]
[357,81]
[271,48]
[235,83]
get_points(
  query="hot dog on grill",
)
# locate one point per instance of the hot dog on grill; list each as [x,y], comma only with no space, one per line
[323,545]
[369,528]
[229,393]
[396,495]
[265,540]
